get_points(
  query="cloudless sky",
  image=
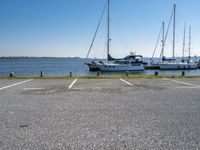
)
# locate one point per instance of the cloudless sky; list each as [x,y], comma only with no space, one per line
[65,28]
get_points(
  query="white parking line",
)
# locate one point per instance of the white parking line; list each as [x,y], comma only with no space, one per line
[126,82]
[194,85]
[72,84]
[187,87]
[5,87]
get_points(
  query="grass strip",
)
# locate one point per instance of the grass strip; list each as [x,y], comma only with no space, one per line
[100,77]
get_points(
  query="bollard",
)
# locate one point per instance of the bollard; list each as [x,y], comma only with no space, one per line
[70,74]
[183,73]
[98,73]
[41,74]
[12,74]
[127,73]
[156,73]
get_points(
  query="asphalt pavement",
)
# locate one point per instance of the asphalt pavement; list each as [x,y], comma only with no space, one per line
[100,114]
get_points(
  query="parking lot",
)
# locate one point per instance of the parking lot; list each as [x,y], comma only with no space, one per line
[100,114]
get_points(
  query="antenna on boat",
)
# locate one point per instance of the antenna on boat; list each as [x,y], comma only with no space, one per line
[183,53]
[108,36]
[174,30]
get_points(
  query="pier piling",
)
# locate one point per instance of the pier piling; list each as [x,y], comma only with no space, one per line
[156,73]
[12,74]
[41,74]
[98,73]
[127,73]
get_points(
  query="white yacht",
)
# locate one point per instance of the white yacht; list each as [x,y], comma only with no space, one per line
[129,63]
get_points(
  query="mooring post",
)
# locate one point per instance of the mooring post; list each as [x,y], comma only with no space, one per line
[12,74]
[41,74]
[127,73]
[98,73]
[156,73]
[183,73]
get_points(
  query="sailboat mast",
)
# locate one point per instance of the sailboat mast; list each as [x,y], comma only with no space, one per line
[183,53]
[108,36]
[189,42]
[163,38]
[174,30]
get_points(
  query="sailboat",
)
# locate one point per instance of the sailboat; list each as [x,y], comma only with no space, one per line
[184,64]
[173,63]
[129,63]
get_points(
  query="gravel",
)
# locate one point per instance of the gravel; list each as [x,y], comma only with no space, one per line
[100,114]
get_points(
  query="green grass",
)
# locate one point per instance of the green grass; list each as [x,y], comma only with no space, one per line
[100,77]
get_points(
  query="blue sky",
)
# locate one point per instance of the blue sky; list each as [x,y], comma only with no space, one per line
[65,28]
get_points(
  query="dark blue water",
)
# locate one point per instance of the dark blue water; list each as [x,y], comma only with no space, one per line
[60,67]
[49,66]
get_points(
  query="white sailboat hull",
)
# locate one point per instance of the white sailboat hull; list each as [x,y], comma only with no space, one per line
[116,67]
[177,66]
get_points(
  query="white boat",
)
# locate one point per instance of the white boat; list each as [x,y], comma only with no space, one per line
[184,64]
[177,65]
[198,64]
[93,65]
[129,63]
[172,63]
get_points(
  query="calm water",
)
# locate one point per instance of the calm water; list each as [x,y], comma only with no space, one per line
[59,67]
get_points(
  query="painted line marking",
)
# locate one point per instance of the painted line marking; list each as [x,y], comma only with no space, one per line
[72,84]
[50,92]
[5,87]
[126,82]
[187,87]
[194,85]
[85,88]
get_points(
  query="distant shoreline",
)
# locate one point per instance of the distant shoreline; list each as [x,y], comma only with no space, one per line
[45,57]
[19,57]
